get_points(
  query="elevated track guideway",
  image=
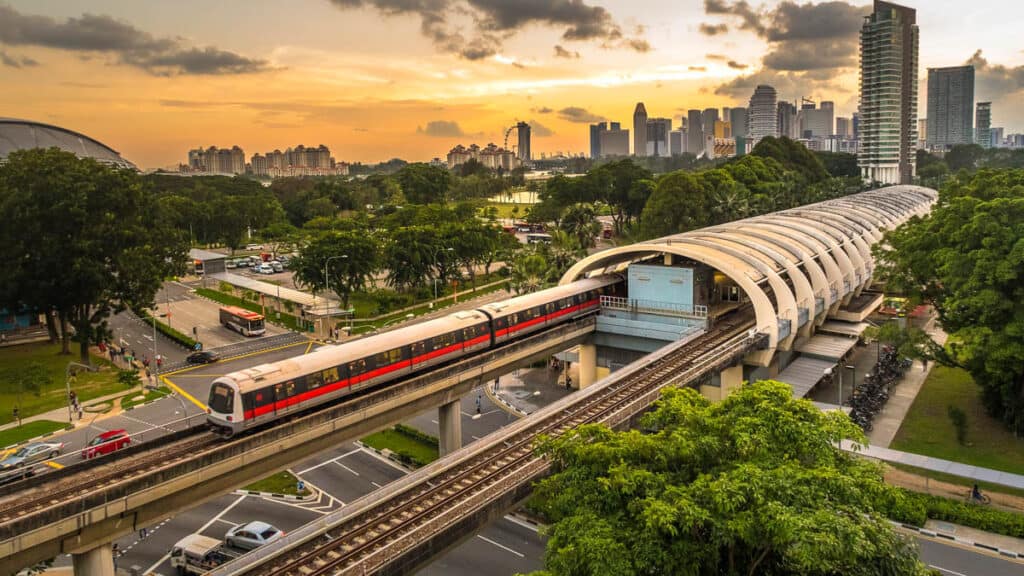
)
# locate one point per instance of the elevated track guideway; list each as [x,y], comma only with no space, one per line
[93,502]
[395,530]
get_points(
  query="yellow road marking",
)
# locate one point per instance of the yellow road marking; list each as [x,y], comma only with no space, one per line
[190,397]
[53,464]
[6,453]
[308,348]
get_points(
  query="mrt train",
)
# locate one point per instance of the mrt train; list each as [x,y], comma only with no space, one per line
[255,396]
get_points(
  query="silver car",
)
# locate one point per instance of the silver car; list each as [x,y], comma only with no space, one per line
[32,453]
[252,535]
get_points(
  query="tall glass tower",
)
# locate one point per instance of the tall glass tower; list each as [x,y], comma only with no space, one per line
[888,94]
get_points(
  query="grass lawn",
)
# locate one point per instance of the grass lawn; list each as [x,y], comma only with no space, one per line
[29,430]
[506,210]
[410,449]
[127,400]
[928,430]
[363,326]
[281,483]
[87,385]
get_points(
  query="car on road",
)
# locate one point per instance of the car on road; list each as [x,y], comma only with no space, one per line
[106,443]
[202,357]
[230,263]
[252,535]
[32,453]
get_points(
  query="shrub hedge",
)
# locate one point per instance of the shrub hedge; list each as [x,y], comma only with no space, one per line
[417,435]
[171,333]
[916,508]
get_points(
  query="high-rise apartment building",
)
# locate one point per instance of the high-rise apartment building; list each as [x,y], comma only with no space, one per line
[950,107]
[888,94]
[738,119]
[658,130]
[677,142]
[997,137]
[762,116]
[694,132]
[855,123]
[815,122]
[787,121]
[523,133]
[595,138]
[983,122]
[640,130]
[215,160]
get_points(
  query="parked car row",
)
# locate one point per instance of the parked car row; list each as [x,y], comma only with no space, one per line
[25,461]
[260,265]
[198,554]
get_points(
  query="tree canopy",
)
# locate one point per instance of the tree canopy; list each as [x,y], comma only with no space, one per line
[88,237]
[966,258]
[750,485]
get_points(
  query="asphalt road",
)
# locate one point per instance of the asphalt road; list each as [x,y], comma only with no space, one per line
[956,560]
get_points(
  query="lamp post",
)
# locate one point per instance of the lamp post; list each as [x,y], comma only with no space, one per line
[436,249]
[853,380]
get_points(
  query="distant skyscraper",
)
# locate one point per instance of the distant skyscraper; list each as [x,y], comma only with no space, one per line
[855,123]
[762,117]
[843,128]
[738,118]
[950,107]
[709,117]
[888,94]
[984,124]
[694,132]
[677,142]
[657,137]
[786,120]
[595,138]
[640,130]
[815,122]
[997,137]
[523,132]
[614,141]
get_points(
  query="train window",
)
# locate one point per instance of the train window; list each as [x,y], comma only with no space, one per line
[278,391]
[289,388]
[389,357]
[513,319]
[418,348]
[330,375]
[443,341]
[222,399]
[549,307]
[357,367]
[315,380]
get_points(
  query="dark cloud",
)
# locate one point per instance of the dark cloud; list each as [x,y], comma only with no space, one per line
[16,61]
[131,46]
[713,29]
[543,110]
[563,53]
[721,57]
[580,115]
[698,68]
[736,65]
[441,129]
[539,130]
[809,45]
[497,20]
[993,81]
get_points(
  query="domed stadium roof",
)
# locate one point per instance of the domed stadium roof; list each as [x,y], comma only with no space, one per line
[24,134]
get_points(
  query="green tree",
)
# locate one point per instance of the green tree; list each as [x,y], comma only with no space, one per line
[751,485]
[89,240]
[349,260]
[580,222]
[964,157]
[678,204]
[966,258]
[409,256]
[29,378]
[530,272]
[424,184]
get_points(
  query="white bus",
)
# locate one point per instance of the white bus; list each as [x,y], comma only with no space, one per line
[242,321]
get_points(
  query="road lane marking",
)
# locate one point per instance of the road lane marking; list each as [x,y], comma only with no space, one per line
[347,468]
[190,397]
[519,522]
[375,484]
[205,526]
[54,465]
[232,524]
[326,462]
[385,460]
[308,348]
[946,570]
[505,548]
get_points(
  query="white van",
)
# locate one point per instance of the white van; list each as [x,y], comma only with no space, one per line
[198,554]
[265,268]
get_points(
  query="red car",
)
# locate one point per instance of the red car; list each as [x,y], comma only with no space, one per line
[106,443]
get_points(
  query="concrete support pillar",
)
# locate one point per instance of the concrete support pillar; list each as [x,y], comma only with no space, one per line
[668,259]
[449,420]
[731,379]
[96,562]
[587,365]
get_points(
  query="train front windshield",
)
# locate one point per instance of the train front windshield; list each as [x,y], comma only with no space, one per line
[222,399]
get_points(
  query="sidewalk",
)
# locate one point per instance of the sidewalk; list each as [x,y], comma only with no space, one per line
[526,390]
[887,423]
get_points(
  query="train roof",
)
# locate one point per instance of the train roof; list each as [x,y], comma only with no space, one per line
[328,356]
[526,301]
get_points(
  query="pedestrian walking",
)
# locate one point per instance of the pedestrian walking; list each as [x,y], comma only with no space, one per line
[145,363]
[143,533]
[479,399]
[159,361]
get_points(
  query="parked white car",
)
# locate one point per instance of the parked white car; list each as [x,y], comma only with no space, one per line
[265,268]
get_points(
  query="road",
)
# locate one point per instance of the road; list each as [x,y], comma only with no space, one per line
[955,560]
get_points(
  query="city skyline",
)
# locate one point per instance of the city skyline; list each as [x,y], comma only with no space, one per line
[335,73]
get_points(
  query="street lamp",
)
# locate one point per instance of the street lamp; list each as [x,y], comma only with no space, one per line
[436,249]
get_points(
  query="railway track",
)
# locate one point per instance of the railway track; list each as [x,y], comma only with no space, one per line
[94,478]
[366,541]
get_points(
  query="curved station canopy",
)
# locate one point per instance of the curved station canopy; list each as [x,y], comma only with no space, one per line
[791,265]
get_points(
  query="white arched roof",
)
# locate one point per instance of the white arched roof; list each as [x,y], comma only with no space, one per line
[798,254]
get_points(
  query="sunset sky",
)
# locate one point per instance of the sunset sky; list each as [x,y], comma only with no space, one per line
[376,79]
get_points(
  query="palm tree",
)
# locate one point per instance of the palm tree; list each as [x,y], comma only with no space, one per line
[530,272]
[580,220]
[730,203]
